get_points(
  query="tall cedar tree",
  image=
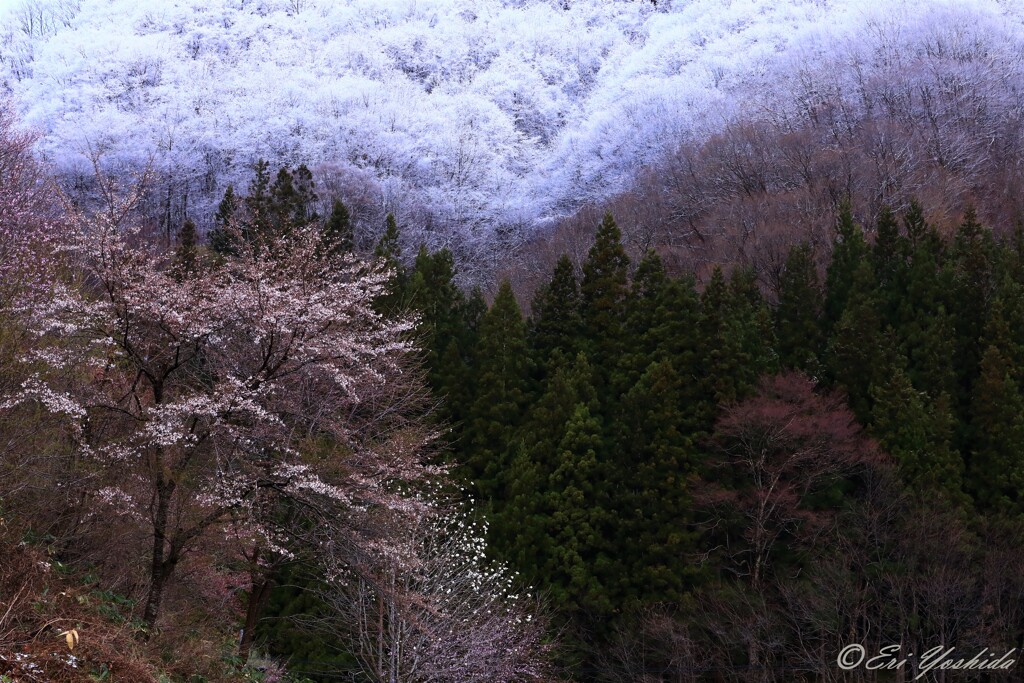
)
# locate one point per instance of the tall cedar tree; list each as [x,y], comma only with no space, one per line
[338,229]
[918,434]
[889,257]
[222,236]
[501,382]
[997,423]
[737,339]
[924,325]
[388,252]
[603,293]
[655,539]
[525,532]
[849,251]
[646,295]
[580,523]
[257,204]
[972,274]
[447,334]
[1005,327]
[291,200]
[798,323]
[673,338]
[186,255]
[555,326]
[859,346]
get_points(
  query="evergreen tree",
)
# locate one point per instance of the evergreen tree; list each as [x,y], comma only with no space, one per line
[737,342]
[923,325]
[433,293]
[473,313]
[292,607]
[914,225]
[673,334]
[859,349]
[643,305]
[456,370]
[258,203]
[720,348]
[603,292]
[972,276]
[579,522]
[996,468]
[290,202]
[1004,328]
[223,235]
[338,229]
[388,253]
[501,394]
[755,325]
[305,196]
[284,202]
[523,529]
[889,257]
[931,348]
[848,253]
[798,314]
[186,255]
[649,491]
[918,434]
[555,325]
[674,338]
[389,248]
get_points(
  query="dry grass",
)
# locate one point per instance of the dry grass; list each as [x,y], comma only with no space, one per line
[42,600]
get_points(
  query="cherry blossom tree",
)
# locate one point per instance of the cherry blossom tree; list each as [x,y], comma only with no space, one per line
[199,401]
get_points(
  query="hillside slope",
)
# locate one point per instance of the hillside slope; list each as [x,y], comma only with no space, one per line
[464,116]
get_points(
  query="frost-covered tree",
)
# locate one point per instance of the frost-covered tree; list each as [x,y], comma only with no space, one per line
[462,118]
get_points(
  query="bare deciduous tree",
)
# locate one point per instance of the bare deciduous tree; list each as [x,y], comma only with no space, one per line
[441,615]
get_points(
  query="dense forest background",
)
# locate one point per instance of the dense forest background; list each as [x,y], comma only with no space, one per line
[661,341]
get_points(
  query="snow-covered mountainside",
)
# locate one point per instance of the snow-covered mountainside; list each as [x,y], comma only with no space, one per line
[488,113]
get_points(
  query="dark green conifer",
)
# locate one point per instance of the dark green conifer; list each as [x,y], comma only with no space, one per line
[579,522]
[388,254]
[849,251]
[996,468]
[338,229]
[649,490]
[603,292]
[523,531]
[859,346]
[918,434]
[555,324]
[225,225]
[186,255]
[258,203]
[798,324]
[501,382]
[643,306]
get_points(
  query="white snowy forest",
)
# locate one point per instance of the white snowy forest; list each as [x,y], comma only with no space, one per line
[475,122]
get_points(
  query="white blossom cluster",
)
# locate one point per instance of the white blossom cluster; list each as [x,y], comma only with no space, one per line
[449,614]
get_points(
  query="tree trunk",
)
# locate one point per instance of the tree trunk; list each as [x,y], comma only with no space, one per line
[258,597]
[162,564]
